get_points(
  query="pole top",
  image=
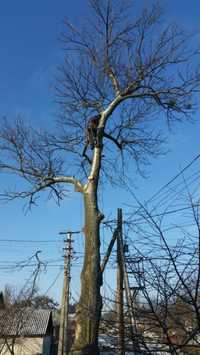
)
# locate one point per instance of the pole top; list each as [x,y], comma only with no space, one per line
[70,232]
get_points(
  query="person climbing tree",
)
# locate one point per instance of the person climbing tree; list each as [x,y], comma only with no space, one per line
[91,133]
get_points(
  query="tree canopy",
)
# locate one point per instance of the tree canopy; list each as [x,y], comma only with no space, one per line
[136,71]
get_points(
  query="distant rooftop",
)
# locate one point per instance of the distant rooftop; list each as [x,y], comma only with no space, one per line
[24,322]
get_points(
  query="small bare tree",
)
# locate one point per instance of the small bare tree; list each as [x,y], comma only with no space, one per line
[130,71]
[165,261]
[16,313]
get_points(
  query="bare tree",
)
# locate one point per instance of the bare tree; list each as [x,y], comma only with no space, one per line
[17,310]
[133,72]
[165,263]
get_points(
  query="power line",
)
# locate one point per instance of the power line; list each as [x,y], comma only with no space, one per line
[166,185]
[29,241]
[175,177]
[163,214]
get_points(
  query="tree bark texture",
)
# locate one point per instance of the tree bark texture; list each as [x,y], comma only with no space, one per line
[89,308]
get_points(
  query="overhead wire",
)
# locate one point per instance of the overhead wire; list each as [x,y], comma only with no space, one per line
[197,157]
[163,188]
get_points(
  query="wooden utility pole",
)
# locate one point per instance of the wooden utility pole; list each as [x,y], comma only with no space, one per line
[63,333]
[129,298]
[120,281]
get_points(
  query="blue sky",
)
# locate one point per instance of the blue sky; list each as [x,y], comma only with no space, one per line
[30,52]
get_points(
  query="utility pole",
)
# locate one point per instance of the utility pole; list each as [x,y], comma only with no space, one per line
[120,281]
[63,333]
[129,299]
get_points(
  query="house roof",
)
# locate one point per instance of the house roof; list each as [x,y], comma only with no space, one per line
[24,322]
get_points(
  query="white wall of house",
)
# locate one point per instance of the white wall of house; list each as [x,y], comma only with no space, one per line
[24,346]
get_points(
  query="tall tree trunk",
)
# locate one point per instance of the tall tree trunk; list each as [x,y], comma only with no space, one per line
[90,303]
